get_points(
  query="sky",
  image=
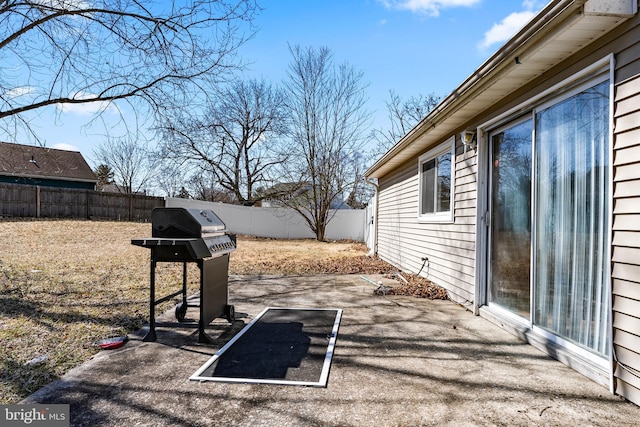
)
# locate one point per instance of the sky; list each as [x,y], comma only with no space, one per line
[411,47]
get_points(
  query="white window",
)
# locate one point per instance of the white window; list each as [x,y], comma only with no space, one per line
[436,177]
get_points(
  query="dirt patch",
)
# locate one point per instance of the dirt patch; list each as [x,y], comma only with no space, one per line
[417,286]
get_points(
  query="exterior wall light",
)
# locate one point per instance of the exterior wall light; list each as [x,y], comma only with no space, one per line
[468,138]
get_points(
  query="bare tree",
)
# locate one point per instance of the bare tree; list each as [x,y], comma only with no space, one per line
[132,162]
[150,54]
[204,186]
[236,139]
[326,105]
[403,116]
[360,192]
[170,179]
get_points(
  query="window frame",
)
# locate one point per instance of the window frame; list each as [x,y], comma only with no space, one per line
[445,216]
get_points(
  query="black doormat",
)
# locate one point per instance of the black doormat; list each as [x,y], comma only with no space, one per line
[281,346]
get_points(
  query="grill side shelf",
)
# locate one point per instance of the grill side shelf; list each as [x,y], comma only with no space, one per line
[158,241]
[167,249]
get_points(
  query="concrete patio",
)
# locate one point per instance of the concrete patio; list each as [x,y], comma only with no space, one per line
[399,361]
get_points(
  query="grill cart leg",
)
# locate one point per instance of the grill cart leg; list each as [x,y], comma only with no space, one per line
[214,292]
[202,323]
[181,308]
[151,335]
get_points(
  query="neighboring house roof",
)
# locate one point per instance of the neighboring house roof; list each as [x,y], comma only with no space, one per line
[28,161]
[288,189]
[562,28]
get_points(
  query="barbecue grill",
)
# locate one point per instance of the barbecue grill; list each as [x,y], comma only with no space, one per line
[191,235]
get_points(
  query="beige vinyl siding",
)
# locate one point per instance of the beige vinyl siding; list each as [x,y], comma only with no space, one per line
[626,224]
[403,240]
[450,247]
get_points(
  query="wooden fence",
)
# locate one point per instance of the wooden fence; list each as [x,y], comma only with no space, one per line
[30,201]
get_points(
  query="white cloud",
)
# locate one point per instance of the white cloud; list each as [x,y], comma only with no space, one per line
[533,4]
[18,91]
[506,28]
[63,146]
[430,7]
[64,4]
[87,108]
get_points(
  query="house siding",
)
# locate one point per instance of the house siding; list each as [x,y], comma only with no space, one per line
[450,247]
[626,223]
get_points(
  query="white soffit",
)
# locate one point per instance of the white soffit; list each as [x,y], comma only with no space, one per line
[541,51]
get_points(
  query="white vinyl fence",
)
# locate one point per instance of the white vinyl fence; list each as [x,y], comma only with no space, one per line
[281,223]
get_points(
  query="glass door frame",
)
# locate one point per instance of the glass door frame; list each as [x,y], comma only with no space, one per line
[512,123]
[525,327]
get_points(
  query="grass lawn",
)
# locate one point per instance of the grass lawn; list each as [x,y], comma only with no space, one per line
[66,284]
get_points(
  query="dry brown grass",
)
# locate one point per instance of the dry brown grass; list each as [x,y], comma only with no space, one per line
[269,256]
[66,284]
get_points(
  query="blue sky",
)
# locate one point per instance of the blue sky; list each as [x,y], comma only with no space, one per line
[408,46]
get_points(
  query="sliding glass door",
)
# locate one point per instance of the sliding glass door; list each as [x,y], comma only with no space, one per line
[571,211]
[511,217]
[549,210]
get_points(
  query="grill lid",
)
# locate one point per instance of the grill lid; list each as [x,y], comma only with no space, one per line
[185,223]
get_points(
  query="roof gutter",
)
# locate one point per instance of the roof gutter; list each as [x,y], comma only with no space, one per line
[537,28]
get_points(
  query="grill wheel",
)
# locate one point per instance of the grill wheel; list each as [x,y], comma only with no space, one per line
[230,313]
[181,311]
